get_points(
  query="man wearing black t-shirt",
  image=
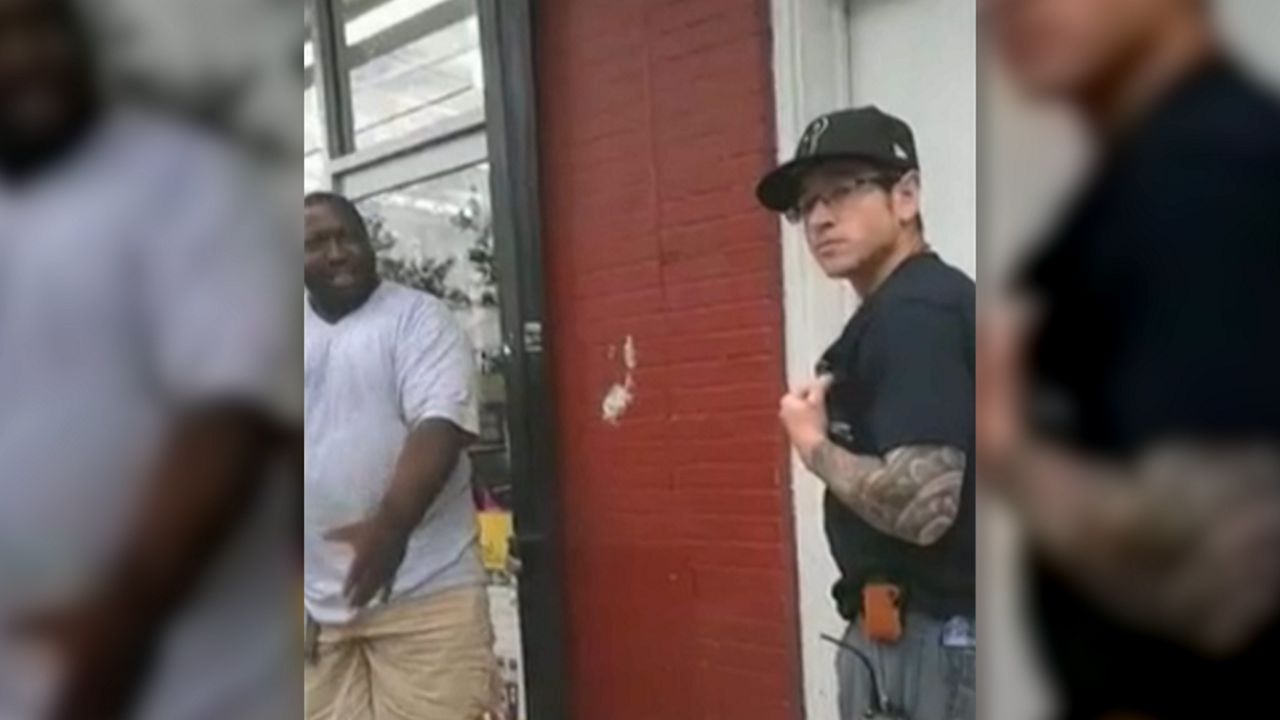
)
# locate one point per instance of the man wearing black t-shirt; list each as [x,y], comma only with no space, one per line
[1137,427]
[888,424]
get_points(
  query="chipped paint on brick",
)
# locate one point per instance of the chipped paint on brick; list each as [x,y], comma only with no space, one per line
[617,400]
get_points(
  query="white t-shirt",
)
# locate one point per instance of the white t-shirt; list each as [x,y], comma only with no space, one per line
[137,275]
[399,359]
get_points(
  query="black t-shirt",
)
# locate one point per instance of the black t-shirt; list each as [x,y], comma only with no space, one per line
[1159,296]
[903,372]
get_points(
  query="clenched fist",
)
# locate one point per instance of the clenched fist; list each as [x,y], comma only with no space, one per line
[803,413]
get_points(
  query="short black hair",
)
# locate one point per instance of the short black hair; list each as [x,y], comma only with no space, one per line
[341,205]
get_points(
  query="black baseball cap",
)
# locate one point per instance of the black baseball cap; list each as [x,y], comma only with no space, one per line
[865,133]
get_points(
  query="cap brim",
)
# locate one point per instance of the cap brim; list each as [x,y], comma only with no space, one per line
[779,191]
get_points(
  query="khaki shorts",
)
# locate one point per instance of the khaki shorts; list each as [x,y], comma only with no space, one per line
[424,659]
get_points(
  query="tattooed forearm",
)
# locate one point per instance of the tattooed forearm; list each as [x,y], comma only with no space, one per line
[912,493]
[1183,542]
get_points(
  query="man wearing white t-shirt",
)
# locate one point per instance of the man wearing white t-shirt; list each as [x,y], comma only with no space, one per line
[144,318]
[394,585]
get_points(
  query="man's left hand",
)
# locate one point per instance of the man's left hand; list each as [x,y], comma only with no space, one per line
[803,413]
[379,549]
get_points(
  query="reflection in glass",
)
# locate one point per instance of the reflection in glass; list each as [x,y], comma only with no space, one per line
[313,138]
[437,236]
[312,171]
[313,126]
[412,63]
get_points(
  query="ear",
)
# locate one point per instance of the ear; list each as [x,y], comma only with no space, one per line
[906,198]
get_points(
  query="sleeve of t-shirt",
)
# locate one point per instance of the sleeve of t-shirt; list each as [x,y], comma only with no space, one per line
[916,377]
[218,290]
[435,368]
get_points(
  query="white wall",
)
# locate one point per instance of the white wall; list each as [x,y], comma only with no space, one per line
[915,59]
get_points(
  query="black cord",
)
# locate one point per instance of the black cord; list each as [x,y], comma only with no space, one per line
[878,701]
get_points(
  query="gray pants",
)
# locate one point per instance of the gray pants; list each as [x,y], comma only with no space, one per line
[922,677]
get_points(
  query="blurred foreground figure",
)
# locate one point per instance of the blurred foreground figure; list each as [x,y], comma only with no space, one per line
[1129,405]
[398,613]
[142,339]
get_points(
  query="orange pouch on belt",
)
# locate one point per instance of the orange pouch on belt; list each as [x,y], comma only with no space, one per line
[882,613]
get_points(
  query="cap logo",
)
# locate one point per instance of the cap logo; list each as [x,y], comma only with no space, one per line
[812,136]
[900,152]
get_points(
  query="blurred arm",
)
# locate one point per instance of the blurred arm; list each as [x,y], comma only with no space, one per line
[207,474]
[1185,542]
[215,291]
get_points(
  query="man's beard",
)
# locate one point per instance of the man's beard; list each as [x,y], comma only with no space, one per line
[24,153]
[340,302]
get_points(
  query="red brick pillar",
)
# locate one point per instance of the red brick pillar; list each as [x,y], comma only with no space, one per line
[656,120]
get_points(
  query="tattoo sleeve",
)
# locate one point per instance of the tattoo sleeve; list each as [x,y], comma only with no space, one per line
[1182,542]
[912,493]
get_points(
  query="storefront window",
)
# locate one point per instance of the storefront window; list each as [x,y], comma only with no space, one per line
[412,71]
[411,64]
[313,125]
[313,158]
[437,236]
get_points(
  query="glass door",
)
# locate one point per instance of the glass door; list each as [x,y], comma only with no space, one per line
[436,235]
[421,111]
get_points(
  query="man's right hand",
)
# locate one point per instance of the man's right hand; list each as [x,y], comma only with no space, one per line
[379,547]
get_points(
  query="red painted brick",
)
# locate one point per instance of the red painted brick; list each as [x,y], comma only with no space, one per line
[717,426]
[736,475]
[729,502]
[717,235]
[716,582]
[738,120]
[706,293]
[675,14]
[734,397]
[750,606]
[633,304]
[752,694]
[718,529]
[655,122]
[694,450]
[742,658]
[684,104]
[679,268]
[696,38]
[710,374]
[728,347]
[696,323]
[686,209]
[722,555]
[638,277]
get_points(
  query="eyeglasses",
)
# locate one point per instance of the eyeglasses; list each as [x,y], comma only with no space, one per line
[834,195]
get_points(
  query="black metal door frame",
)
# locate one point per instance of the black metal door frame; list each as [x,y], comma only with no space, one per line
[507,38]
